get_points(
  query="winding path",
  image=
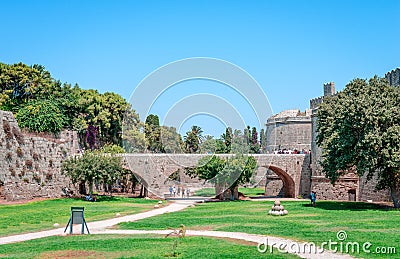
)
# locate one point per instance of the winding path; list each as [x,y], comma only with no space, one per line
[101,227]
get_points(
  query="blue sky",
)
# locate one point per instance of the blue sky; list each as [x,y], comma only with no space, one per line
[289,47]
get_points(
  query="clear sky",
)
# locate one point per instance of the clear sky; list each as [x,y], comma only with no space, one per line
[289,47]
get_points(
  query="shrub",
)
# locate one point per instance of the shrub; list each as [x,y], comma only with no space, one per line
[18,135]
[29,164]
[49,176]
[26,180]
[7,129]
[41,116]
[36,177]
[12,171]
[35,156]
[9,156]
[50,163]
[19,152]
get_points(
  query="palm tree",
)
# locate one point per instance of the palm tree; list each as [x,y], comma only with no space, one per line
[193,139]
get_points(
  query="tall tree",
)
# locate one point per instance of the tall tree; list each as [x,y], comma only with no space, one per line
[227,137]
[152,133]
[263,141]
[254,145]
[209,145]
[41,116]
[171,140]
[20,82]
[240,144]
[193,139]
[359,131]
[247,137]
[226,174]
[133,139]
[91,167]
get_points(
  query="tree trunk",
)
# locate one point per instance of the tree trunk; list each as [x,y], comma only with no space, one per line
[219,194]
[143,192]
[109,186]
[82,188]
[234,193]
[90,188]
[395,194]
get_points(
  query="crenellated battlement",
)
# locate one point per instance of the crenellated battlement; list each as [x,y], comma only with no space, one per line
[393,77]
[314,103]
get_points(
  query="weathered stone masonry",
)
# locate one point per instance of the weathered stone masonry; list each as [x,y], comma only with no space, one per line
[30,165]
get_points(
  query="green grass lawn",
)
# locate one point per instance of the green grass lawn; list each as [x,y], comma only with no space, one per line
[363,222]
[41,215]
[137,246]
[210,192]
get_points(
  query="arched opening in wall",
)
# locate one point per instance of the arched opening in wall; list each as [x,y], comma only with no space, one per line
[352,195]
[278,183]
[138,185]
[132,183]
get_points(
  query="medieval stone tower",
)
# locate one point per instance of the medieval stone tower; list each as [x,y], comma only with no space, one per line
[393,77]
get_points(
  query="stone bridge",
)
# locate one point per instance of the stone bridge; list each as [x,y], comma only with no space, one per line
[154,170]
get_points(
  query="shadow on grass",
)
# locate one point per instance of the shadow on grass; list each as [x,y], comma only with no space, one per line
[352,206]
[99,198]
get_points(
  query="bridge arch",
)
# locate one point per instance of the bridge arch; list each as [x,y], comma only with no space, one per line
[288,182]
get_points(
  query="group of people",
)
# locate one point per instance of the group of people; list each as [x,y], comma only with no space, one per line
[289,151]
[180,191]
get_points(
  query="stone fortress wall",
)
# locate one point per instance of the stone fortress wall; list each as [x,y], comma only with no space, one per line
[289,130]
[30,166]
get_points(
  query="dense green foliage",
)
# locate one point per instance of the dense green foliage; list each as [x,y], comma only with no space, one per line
[43,104]
[159,139]
[133,139]
[20,83]
[93,166]
[263,141]
[152,133]
[248,192]
[41,116]
[227,138]
[171,140]
[227,173]
[359,130]
[254,145]
[193,139]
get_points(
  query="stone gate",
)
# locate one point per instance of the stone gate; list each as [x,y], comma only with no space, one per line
[154,169]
